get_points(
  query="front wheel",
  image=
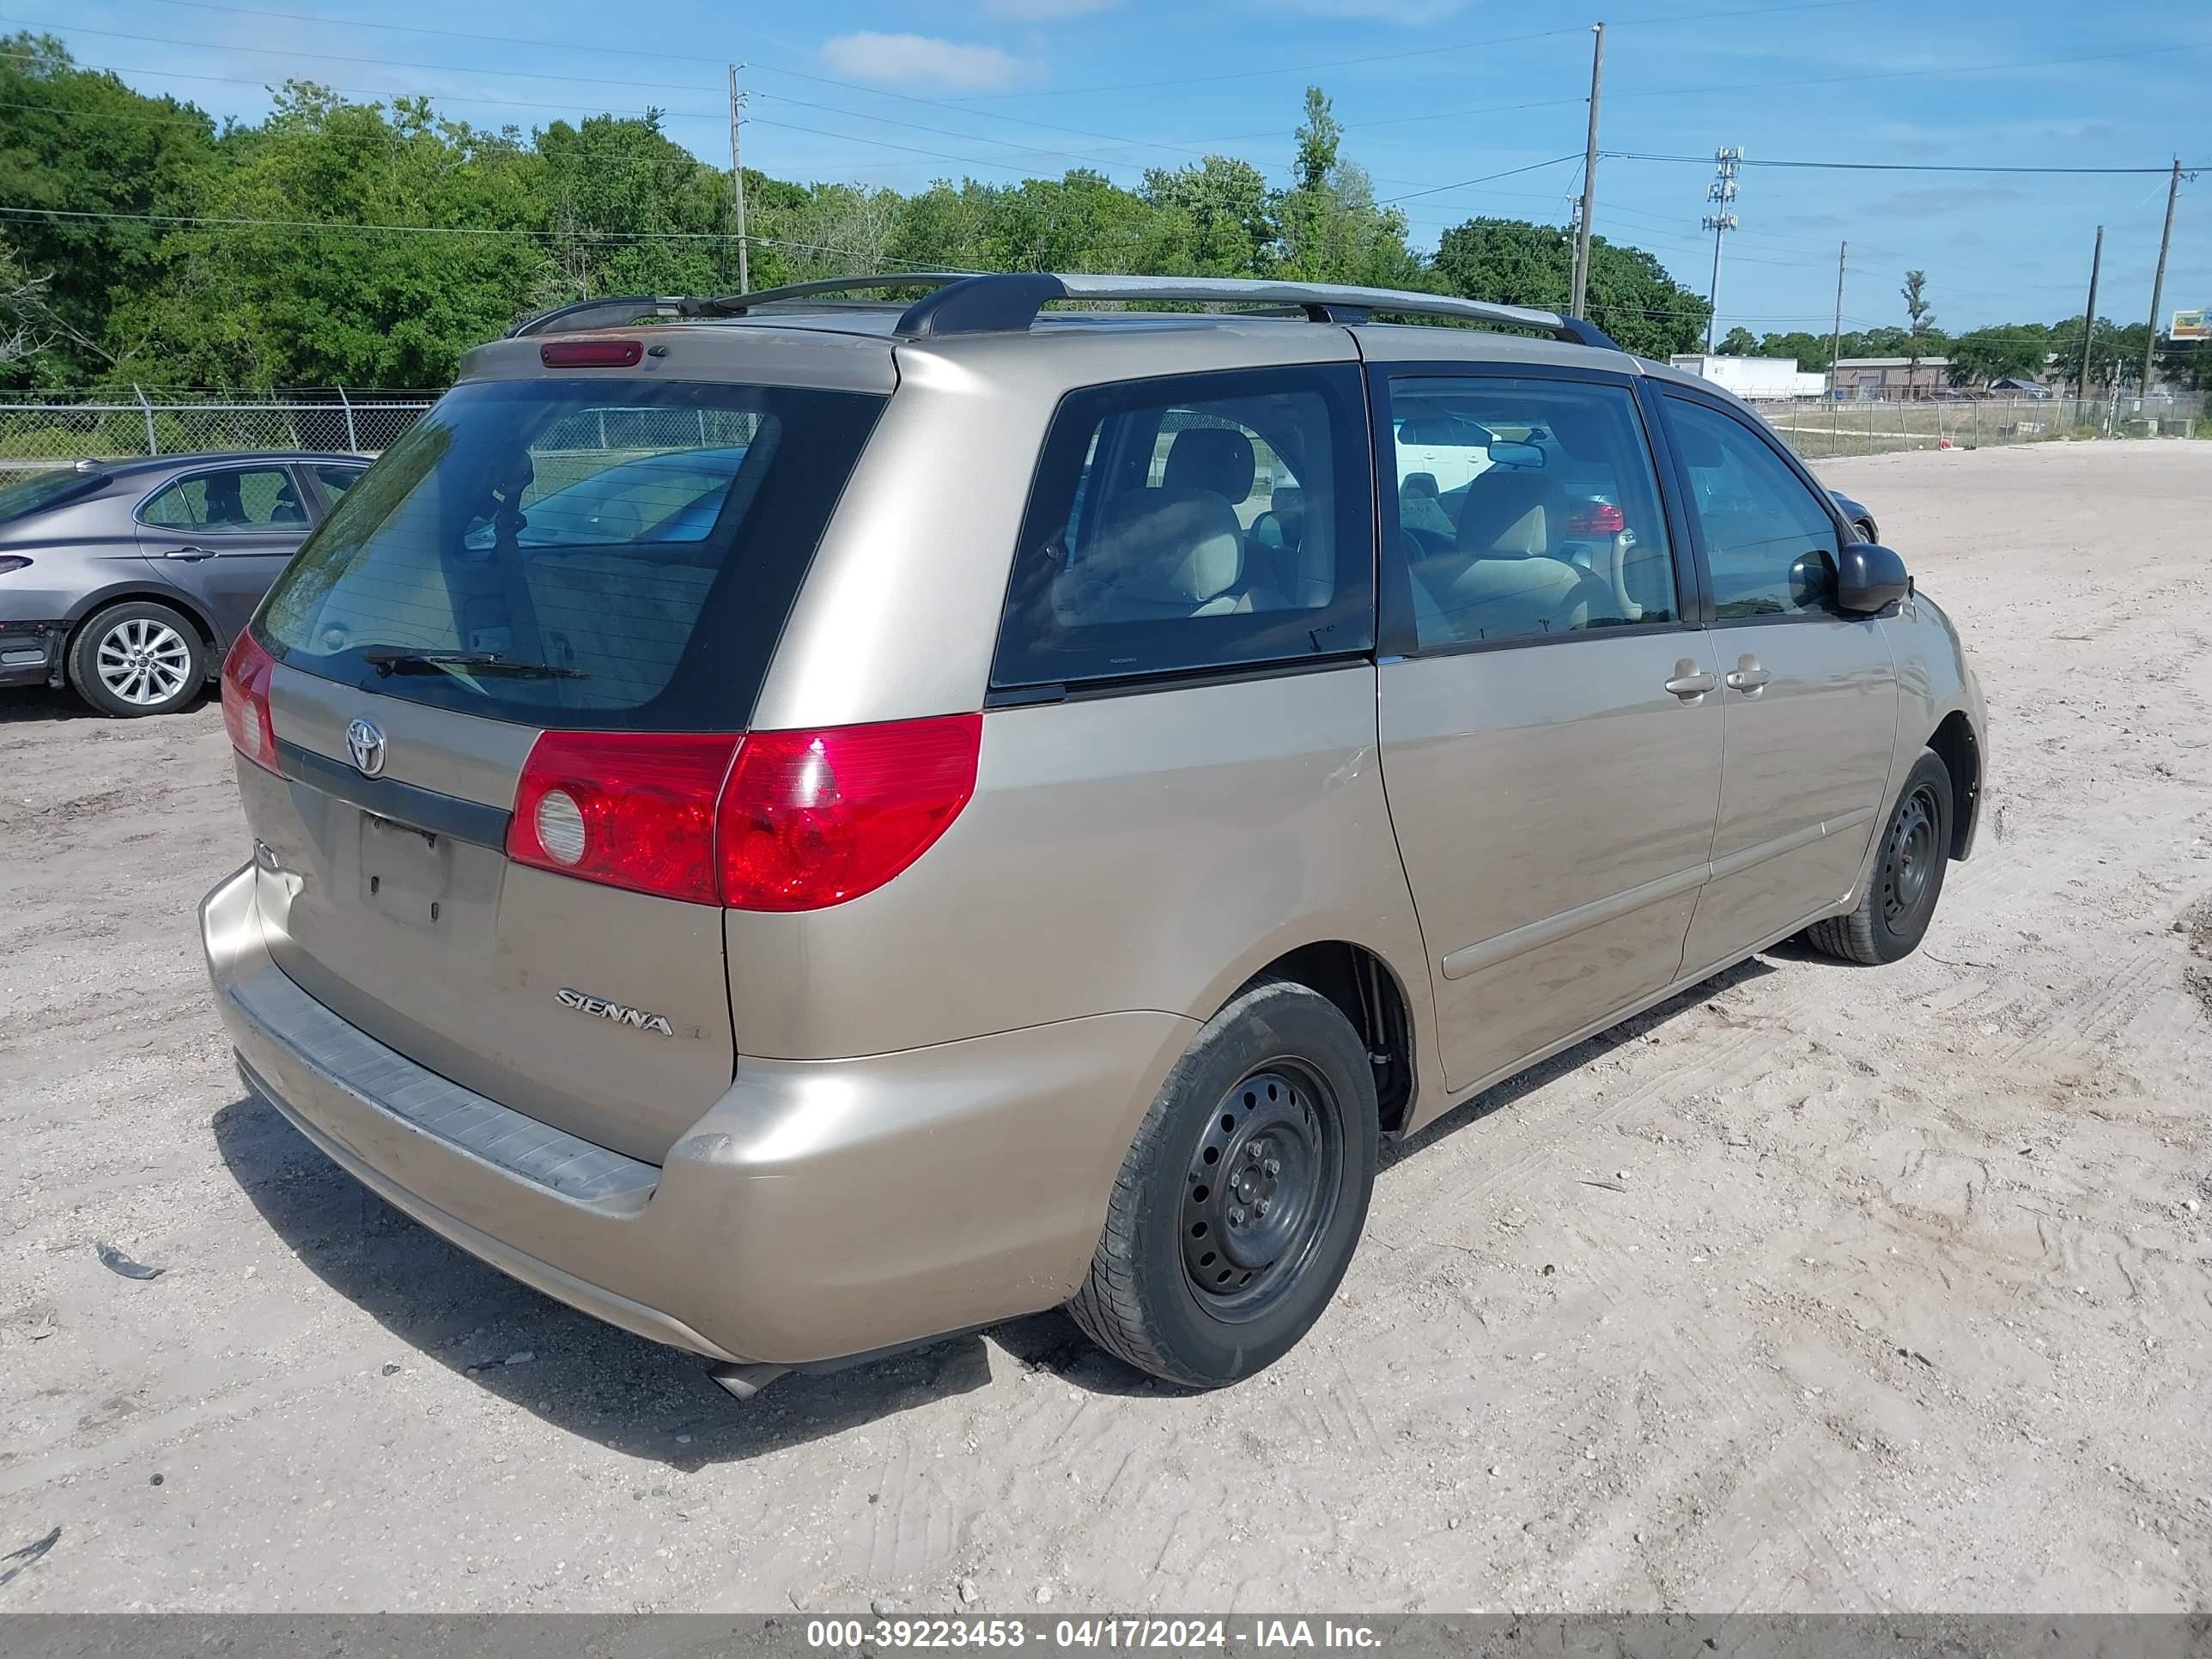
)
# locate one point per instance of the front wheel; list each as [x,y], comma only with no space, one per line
[1236,1210]
[1899,902]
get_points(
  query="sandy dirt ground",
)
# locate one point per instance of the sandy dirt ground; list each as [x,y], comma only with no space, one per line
[1821,1288]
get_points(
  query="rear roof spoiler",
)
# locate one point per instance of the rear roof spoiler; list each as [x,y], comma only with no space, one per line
[961,303]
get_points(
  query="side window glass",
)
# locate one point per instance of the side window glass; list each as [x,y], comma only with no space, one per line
[176,507]
[1770,545]
[243,498]
[1194,524]
[336,480]
[1525,508]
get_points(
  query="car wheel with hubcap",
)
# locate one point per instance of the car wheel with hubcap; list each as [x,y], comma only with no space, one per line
[1239,1205]
[1893,912]
[138,658]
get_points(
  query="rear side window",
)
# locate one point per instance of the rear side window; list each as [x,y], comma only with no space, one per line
[235,498]
[1192,524]
[590,553]
[1527,508]
[336,480]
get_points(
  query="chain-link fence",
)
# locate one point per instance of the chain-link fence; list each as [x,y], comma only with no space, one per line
[1818,430]
[36,434]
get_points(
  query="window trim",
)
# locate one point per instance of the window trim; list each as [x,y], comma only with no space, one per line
[1045,511]
[1698,397]
[1397,637]
[176,480]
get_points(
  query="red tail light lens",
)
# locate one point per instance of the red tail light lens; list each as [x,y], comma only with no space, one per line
[245,674]
[1598,519]
[801,821]
[810,819]
[629,809]
[591,354]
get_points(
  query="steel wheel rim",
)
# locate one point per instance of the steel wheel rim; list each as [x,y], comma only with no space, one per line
[144,661]
[1260,1191]
[1913,856]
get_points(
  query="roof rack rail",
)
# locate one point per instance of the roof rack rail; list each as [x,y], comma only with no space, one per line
[1010,303]
[965,302]
[582,315]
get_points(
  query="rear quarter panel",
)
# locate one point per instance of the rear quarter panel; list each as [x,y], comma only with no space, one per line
[1143,852]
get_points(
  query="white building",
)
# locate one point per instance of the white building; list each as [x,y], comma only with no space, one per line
[1754,379]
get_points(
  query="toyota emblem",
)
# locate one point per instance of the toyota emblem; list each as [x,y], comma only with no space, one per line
[365,743]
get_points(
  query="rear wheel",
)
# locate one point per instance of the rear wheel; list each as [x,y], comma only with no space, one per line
[1237,1209]
[138,657]
[1899,902]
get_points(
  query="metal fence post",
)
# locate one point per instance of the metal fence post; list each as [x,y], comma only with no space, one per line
[352,442]
[153,443]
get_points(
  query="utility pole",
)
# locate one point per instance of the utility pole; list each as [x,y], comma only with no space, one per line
[2089,317]
[1720,192]
[738,182]
[2158,282]
[1589,179]
[1836,343]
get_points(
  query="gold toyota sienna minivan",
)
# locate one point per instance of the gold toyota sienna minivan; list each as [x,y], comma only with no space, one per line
[800,825]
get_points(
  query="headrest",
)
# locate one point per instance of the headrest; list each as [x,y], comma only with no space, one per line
[1422,484]
[1212,458]
[1505,515]
[1171,546]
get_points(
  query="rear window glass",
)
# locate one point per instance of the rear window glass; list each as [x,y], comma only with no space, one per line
[28,492]
[1194,523]
[589,553]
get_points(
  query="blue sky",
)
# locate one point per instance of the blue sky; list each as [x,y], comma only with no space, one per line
[1449,90]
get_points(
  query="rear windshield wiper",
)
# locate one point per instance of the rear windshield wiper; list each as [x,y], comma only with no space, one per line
[469,662]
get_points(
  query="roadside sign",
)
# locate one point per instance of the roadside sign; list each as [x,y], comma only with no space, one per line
[2191,326]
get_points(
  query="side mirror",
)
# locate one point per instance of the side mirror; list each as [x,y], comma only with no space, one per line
[1870,578]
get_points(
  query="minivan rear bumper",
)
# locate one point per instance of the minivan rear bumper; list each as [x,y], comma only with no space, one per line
[817,1210]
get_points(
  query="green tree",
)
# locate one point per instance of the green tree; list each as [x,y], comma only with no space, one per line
[79,142]
[260,295]
[1630,296]
[1230,209]
[1811,350]
[1919,315]
[1983,354]
[1738,342]
[1330,228]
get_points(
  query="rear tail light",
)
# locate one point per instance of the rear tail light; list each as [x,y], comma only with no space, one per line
[245,674]
[1597,518]
[814,818]
[630,809]
[800,821]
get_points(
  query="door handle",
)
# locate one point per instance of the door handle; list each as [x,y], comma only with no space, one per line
[188,553]
[1690,682]
[1749,676]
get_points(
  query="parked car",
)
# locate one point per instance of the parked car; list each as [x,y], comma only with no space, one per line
[128,580]
[1855,517]
[1035,845]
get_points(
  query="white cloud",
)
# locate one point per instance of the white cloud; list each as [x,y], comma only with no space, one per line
[1044,11]
[919,59]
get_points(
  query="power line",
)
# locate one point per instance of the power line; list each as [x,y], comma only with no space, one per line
[1463,184]
[1884,166]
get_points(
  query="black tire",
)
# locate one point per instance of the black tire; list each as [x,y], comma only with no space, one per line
[1864,530]
[138,658]
[1303,1134]
[1899,902]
